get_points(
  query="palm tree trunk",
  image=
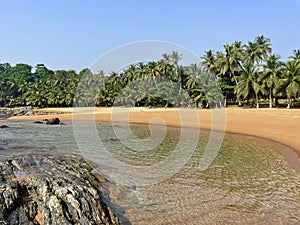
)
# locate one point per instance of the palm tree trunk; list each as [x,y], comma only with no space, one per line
[270,98]
[167,104]
[257,103]
[276,101]
[236,83]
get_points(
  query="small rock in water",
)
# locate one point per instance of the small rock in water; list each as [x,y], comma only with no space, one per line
[161,210]
[38,122]
[52,121]
[4,126]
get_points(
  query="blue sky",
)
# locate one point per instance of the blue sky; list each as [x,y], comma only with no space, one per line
[71,34]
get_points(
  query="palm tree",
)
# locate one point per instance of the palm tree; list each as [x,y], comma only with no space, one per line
[209,61]
[252,53]
[248,84]
[296,55]
[291,81]
[131,74]
[175,57]
[258,50]
[271,75]
[141,68]
[230,62]
[153,71]
[263,46]
[239,48]
[166,58]
[195,90]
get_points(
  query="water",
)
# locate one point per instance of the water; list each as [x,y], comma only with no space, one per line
[248,182]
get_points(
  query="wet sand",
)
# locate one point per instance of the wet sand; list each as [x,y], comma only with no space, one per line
[279,125]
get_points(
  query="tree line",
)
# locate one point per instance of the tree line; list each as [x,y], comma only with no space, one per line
[242,74]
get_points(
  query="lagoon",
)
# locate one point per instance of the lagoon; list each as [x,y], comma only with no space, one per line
[248,183]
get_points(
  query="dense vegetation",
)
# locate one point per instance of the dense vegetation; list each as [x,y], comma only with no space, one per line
[246,73]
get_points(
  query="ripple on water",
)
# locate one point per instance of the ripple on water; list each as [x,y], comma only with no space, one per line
[248,183]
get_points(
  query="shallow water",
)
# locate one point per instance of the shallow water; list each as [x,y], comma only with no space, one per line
[247,183]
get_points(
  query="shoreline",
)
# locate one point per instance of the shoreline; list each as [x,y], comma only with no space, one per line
[278,125]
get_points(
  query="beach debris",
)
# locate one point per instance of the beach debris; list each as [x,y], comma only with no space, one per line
[52,121]
[52,189]
[4,126]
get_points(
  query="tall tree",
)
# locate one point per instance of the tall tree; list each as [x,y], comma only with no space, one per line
[209,61]
[263,46]
[271,75]
[291,81]
[229,63]
[248,84]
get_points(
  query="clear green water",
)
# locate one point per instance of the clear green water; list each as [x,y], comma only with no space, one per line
[248,183]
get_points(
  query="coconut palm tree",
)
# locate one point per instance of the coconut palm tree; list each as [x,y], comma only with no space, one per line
[271,75]
[296,55]
[239,48]
[258,50]
[252,53]
[263,46]
[208,61]
[166,58]
[229,64]
[291,81]
[248,84]
[175,57]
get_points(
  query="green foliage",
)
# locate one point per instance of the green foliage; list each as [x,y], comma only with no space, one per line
[240,72]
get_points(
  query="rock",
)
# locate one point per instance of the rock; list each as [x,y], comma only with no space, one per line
[52,121]
[51,189]
[38,122]
[4,126]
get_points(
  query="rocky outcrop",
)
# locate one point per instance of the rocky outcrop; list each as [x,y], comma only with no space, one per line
[39,189]
[52,121]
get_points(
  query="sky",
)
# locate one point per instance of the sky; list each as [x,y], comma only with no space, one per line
[72,34]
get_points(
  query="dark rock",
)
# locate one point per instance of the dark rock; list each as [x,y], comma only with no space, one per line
[52,121]
[4,126]
[38,122]
[51,189]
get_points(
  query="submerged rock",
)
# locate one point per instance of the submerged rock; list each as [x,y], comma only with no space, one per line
[4,126]
[39,189]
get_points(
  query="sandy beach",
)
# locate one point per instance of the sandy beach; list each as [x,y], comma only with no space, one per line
[279,125]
